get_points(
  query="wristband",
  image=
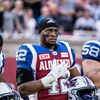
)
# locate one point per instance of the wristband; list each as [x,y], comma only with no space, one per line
[47,80]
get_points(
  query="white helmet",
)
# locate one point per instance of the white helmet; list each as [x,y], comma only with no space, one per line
[81,88]
[7,93]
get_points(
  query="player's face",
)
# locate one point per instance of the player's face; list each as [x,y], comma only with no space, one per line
[49,36]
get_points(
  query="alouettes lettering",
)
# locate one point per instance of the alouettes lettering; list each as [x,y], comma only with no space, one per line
[47,64]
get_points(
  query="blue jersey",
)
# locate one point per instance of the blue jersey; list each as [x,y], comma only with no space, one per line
[39,59]
[91,50]
[2,61]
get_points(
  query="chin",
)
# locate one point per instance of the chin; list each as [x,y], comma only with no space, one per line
[51,44]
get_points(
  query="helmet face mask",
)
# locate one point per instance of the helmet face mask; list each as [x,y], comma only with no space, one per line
[82,88]
[10,96]
[7,93]
[86,94]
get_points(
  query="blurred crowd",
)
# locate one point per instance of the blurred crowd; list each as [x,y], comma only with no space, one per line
[19,18]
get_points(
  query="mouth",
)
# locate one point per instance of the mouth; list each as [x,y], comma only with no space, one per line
[52,40]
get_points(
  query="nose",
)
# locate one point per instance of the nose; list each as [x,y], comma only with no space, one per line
[54,33]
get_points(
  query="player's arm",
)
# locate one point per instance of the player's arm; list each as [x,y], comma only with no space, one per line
[73,69]
[91,69]
[2,79]
[91,61]
[74,72]
[34,86]
[30,87]
[26,85]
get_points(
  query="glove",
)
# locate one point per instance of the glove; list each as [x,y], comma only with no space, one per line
[56,72]
[59,70]
[64,72]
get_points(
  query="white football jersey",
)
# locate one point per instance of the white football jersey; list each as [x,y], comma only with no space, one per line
[2,61]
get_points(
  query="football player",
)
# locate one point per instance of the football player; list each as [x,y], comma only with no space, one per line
[2,60]
[91,61]
[41,67]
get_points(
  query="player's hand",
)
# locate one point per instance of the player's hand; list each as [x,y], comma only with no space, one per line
[58,70]
[64,72]
[55,70]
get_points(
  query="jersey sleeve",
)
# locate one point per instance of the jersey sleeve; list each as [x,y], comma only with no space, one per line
[72,54]
[91,50]
[24,57]
[73,57]
[2,61]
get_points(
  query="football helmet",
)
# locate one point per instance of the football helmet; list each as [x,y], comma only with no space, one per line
[81,88]
[7,93]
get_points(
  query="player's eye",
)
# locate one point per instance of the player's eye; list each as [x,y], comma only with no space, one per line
[51,30]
